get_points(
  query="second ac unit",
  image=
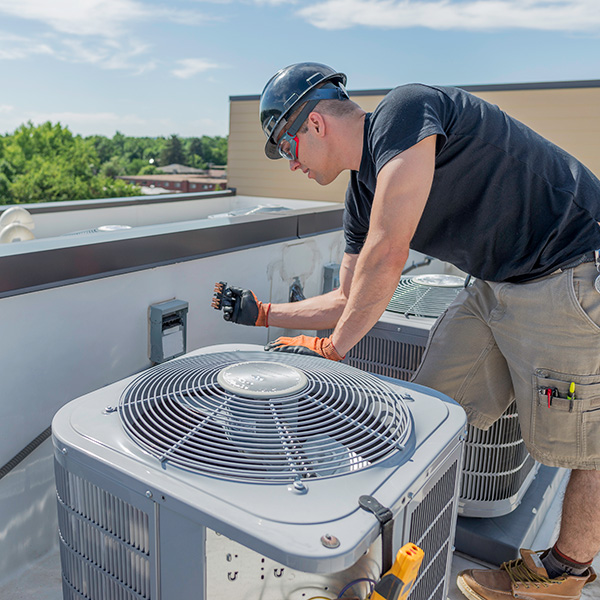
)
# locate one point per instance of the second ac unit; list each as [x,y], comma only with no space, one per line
[497,469]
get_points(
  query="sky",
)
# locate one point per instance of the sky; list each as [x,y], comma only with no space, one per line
[163,67]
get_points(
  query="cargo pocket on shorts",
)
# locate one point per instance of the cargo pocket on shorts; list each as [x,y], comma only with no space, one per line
[584,296]
[566,432]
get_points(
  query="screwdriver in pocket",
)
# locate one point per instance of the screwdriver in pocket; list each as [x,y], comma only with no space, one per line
[571,395]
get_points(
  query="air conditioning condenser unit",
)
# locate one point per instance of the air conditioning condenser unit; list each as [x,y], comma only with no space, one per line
[236,473]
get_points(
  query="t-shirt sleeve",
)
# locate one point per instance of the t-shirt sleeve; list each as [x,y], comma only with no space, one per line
[359,201]
[406,116]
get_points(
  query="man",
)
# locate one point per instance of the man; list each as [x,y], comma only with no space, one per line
[445,173]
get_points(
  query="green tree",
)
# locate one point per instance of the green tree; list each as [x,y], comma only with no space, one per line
[172,152]
[7,169]
[219,151]
[103,146]
[4,189]
[194,149]
[113,167]
[148,170]
[48,163]
[135,166]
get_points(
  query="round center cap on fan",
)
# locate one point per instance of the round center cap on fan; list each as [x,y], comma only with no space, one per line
[261,379]
[438,280]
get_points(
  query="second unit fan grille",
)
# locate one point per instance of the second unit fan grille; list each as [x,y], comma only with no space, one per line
[425,295]
[341,421]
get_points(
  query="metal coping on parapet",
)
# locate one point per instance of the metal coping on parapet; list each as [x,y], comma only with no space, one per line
[491,87]
[64,265]
[71,205]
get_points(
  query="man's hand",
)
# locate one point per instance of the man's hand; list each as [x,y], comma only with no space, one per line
[240,306]
[303,344]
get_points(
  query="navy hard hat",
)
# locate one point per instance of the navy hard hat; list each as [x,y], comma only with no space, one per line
[288,89]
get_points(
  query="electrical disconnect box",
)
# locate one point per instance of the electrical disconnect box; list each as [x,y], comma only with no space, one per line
[331,277]
[168,330]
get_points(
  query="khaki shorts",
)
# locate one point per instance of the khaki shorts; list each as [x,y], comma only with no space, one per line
[500,341]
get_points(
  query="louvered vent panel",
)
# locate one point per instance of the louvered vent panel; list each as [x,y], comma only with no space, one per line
[496,461]
[429,526]
[83,579]
[104,542]
[386,357]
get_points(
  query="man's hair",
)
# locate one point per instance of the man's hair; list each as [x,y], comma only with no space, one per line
[332,108]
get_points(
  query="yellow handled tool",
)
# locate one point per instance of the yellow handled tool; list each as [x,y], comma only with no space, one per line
[398,581]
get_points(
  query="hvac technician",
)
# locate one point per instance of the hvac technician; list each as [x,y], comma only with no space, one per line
[445,173]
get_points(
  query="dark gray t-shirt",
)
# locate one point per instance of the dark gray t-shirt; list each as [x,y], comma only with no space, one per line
[505,204]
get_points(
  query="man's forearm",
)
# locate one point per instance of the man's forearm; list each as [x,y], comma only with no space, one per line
[375,281]
[319,312]
[403,186]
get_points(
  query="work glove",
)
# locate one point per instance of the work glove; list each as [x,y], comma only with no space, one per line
[304,344]
[240,306]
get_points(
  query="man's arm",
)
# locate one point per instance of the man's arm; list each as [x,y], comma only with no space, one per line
[403,186]
[321,312]
[318,312]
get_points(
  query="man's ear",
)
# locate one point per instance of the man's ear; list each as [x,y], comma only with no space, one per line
[316,122]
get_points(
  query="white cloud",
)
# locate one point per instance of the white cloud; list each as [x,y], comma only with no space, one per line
[106,123]
[188,67]
[97,32]
[102,123]
[78,118]
[78,122]
[474,15]
[78,17]
[14,47]
[107,18]
[274,2]
[108,54]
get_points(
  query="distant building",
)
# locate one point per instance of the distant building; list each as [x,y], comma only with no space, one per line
[178,183]
[177,169]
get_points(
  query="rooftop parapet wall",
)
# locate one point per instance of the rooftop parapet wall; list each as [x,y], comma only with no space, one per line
[567,113]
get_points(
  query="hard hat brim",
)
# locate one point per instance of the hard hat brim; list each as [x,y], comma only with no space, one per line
[271,150]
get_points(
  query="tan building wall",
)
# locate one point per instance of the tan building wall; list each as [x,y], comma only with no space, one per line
[568,114]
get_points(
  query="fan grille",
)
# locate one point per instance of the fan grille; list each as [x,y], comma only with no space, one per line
[343,420]
[423,299]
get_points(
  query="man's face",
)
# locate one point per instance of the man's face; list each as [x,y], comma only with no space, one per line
[312,157]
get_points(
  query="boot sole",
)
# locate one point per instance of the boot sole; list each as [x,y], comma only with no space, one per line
[467,591]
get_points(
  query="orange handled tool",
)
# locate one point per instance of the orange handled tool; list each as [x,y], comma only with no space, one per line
[398,581]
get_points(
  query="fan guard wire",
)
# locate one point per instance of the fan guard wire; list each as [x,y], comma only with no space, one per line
[342,421]
[414,299]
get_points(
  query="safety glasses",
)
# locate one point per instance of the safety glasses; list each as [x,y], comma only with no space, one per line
[288,143]
[288,146]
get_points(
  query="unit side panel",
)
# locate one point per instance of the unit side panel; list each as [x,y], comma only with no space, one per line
[107,537]
[429,522]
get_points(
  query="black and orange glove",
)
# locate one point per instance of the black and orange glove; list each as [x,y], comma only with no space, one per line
[304,344]
[240,306]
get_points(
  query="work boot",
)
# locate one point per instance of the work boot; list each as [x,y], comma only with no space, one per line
[524,578]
